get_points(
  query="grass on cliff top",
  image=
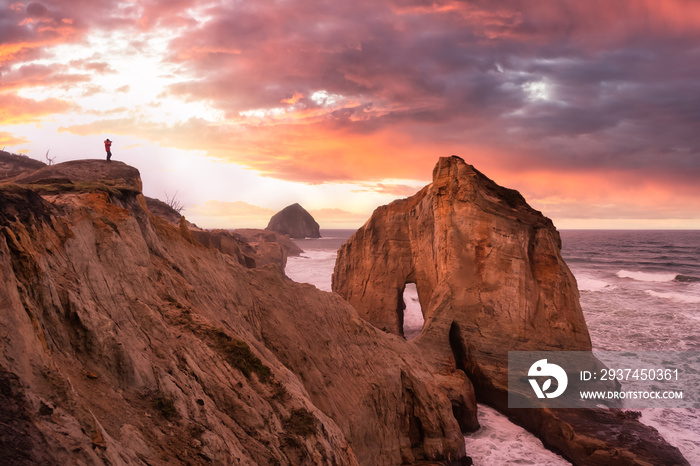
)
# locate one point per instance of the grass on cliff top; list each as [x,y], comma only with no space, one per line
[114,188]
[11,187]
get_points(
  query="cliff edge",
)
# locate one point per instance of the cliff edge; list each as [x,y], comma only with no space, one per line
[125,341]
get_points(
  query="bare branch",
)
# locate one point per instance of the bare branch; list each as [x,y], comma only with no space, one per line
[174,203]
[50,159]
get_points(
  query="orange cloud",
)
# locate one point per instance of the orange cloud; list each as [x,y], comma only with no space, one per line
[565,195]
[31,29]
[236,214]
[98,67]
[40,75]
[232,209]
[7,139]
[339,218]
[18,110]
[293,99]
[554,98]
[313,153]
[399,190]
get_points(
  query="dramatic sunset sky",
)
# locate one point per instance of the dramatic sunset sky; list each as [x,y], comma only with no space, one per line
[590,108]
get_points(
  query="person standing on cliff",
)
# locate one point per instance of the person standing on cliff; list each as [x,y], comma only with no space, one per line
[108,148]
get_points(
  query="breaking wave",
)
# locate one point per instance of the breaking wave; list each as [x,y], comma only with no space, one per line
[647,276]
[676,297]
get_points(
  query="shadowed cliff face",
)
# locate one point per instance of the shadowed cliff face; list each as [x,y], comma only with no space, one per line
[490,279]
[123,340]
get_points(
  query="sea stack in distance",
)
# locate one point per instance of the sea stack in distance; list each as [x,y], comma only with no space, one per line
[294,221]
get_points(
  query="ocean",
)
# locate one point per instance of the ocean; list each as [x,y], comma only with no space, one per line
[640,291]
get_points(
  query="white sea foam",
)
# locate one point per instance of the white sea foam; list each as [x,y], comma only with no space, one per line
[686,298]
[679,427]
[318,255]
[646,276]
[499,441]
[586,283]
[314,267]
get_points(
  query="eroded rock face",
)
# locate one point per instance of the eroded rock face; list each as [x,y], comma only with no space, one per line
[270,247]
[473,249]
[124,341]
[251,247]
[294,221]
[490,279]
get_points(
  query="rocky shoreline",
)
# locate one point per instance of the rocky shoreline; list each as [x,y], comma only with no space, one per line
[490,279]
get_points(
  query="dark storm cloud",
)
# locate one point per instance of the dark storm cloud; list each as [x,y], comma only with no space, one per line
[26,29]
[571,84]
[430,63]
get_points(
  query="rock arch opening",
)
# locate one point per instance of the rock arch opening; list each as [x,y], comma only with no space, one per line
[410,313]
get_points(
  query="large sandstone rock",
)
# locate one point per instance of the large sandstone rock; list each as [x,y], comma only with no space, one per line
[473,249]
[125,341]
[490,279]
[81,175]
[294,221]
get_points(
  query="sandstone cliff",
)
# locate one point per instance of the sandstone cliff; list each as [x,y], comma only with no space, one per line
[490,279]
[251,248]
[294,221]
[124,341]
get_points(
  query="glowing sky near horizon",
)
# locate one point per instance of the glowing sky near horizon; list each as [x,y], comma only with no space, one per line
[590,109]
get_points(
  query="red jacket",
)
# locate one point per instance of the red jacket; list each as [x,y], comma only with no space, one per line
[108,144]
